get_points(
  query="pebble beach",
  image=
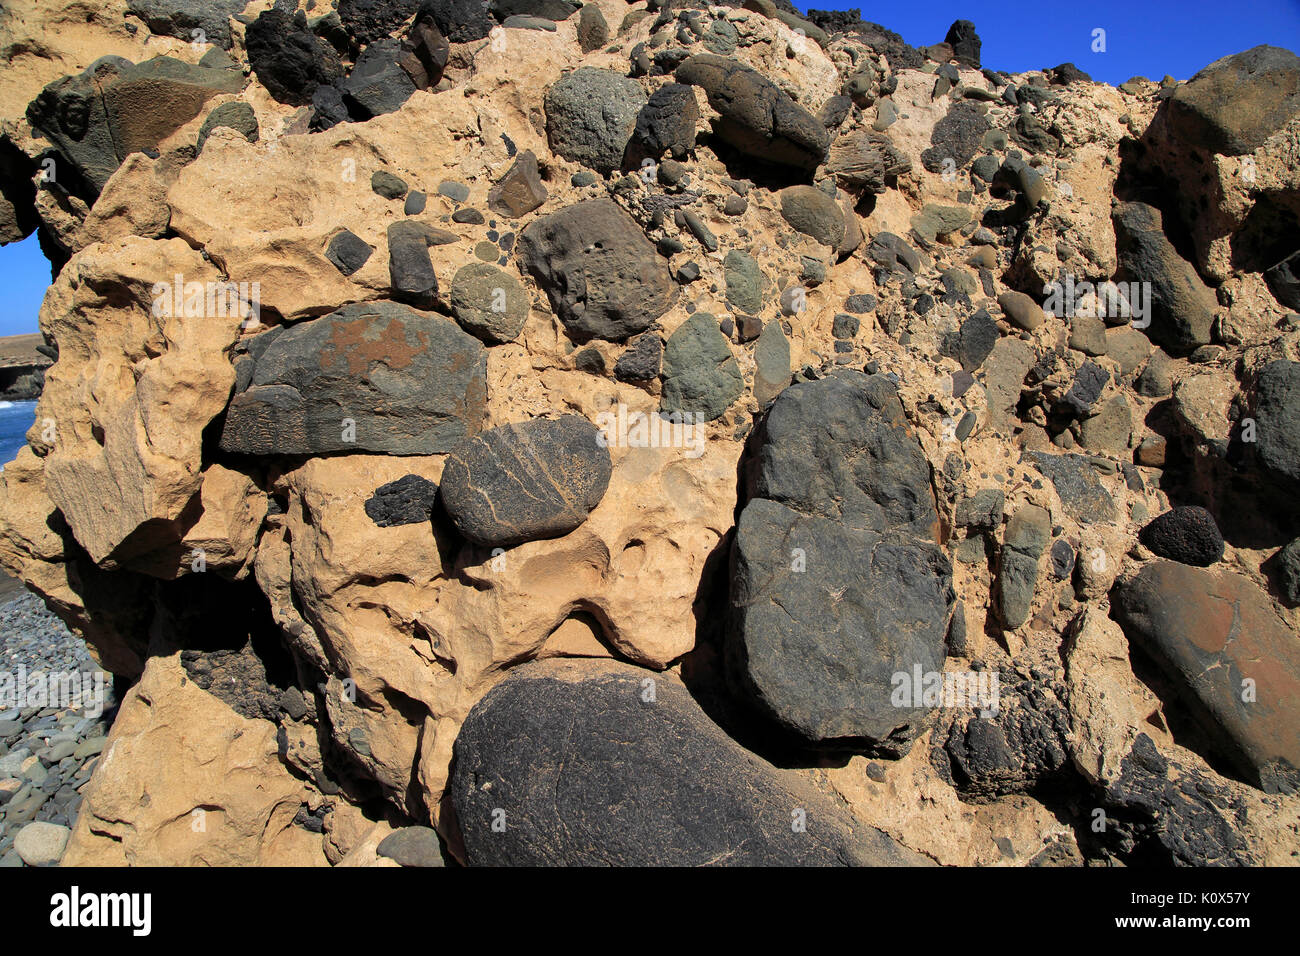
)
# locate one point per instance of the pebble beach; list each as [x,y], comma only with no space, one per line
[47,751]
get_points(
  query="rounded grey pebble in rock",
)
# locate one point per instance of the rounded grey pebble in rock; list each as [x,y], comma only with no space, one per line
[744,282]
[41,844]
[810,211]
[701,376]
[966,426]
[456,192]
[412,846]
[488,302]
[522,22]
[590,360]
[526,482]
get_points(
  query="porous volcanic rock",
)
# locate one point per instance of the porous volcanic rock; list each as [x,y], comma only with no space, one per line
[590,116]
[601,274]
[1188,534]
[1238,101]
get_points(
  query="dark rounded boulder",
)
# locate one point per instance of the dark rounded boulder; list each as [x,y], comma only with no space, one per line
[965,42]
[1182,306]
[599,763]
[372,376]
[666,123]
[839,594]
[1186,534]
[524,482]
[756,116]
[601,274]
[1228,655]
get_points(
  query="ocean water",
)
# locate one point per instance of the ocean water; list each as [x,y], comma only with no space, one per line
[15,419]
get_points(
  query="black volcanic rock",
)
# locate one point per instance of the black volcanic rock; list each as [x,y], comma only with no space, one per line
[290,60]
[1276,409]
[408,500]
[1162,813]
[460,21]
[956,137]
[666,124]
[516,483]
[837,586]
[965,42]
[1187,534]
[598,763]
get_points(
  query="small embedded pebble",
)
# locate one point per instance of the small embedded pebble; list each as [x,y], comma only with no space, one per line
[456,192]
[387,185]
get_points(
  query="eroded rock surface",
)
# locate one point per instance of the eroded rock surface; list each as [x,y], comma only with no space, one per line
[494,360]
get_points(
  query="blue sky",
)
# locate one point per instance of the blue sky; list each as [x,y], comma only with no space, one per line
[1143,37]
[24,276]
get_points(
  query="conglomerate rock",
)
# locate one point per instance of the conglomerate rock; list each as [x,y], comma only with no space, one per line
[432,380]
